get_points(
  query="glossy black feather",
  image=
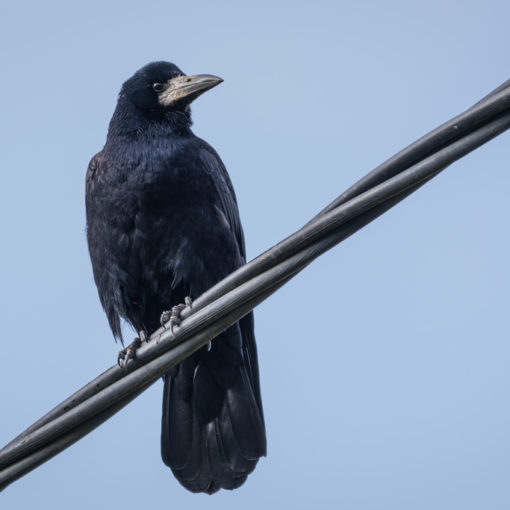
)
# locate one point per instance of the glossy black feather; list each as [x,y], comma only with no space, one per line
[162,224]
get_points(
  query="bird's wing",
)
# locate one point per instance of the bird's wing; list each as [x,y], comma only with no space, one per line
[97,239]
[92,172]
[225,192]
[213,426]
[228,201]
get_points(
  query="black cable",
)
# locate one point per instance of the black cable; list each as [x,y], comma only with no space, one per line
[235,296]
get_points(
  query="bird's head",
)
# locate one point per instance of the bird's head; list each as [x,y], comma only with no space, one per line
[161,87]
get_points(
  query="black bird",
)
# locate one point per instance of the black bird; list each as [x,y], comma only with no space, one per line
[163,224]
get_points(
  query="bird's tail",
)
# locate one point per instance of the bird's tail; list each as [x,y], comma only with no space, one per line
[212,428]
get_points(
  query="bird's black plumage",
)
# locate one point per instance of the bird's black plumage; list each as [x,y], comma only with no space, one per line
[162,224]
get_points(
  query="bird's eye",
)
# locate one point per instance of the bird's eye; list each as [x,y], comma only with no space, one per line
[158,87]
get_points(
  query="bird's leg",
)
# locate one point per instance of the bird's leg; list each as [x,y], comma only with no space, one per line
[130,351]
[171,318]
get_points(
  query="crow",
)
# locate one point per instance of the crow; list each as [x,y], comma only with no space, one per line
[163,224]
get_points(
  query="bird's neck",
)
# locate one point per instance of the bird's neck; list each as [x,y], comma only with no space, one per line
[130,122]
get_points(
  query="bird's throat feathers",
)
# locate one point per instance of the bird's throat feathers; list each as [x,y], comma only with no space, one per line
[130,121]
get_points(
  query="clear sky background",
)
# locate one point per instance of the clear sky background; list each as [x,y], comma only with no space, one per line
[384,365]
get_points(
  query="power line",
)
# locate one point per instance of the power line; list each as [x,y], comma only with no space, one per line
[233,297]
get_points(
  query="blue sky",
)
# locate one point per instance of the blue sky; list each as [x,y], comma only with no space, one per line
[393,392]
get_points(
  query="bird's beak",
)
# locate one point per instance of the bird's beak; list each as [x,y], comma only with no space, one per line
[185,89]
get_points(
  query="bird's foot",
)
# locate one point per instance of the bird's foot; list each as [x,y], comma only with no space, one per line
[171,318]
[130,351]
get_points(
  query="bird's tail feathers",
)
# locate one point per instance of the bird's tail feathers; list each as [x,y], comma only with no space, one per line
[221,453]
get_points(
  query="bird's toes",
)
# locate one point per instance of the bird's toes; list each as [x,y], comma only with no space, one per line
[165,317]
[175,319]
[129,353]
[171,318]
[121,357]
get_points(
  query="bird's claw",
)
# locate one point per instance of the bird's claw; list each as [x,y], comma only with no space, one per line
[129,352]
[171,318]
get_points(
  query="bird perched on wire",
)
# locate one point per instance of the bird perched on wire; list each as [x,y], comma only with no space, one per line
[162,225]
